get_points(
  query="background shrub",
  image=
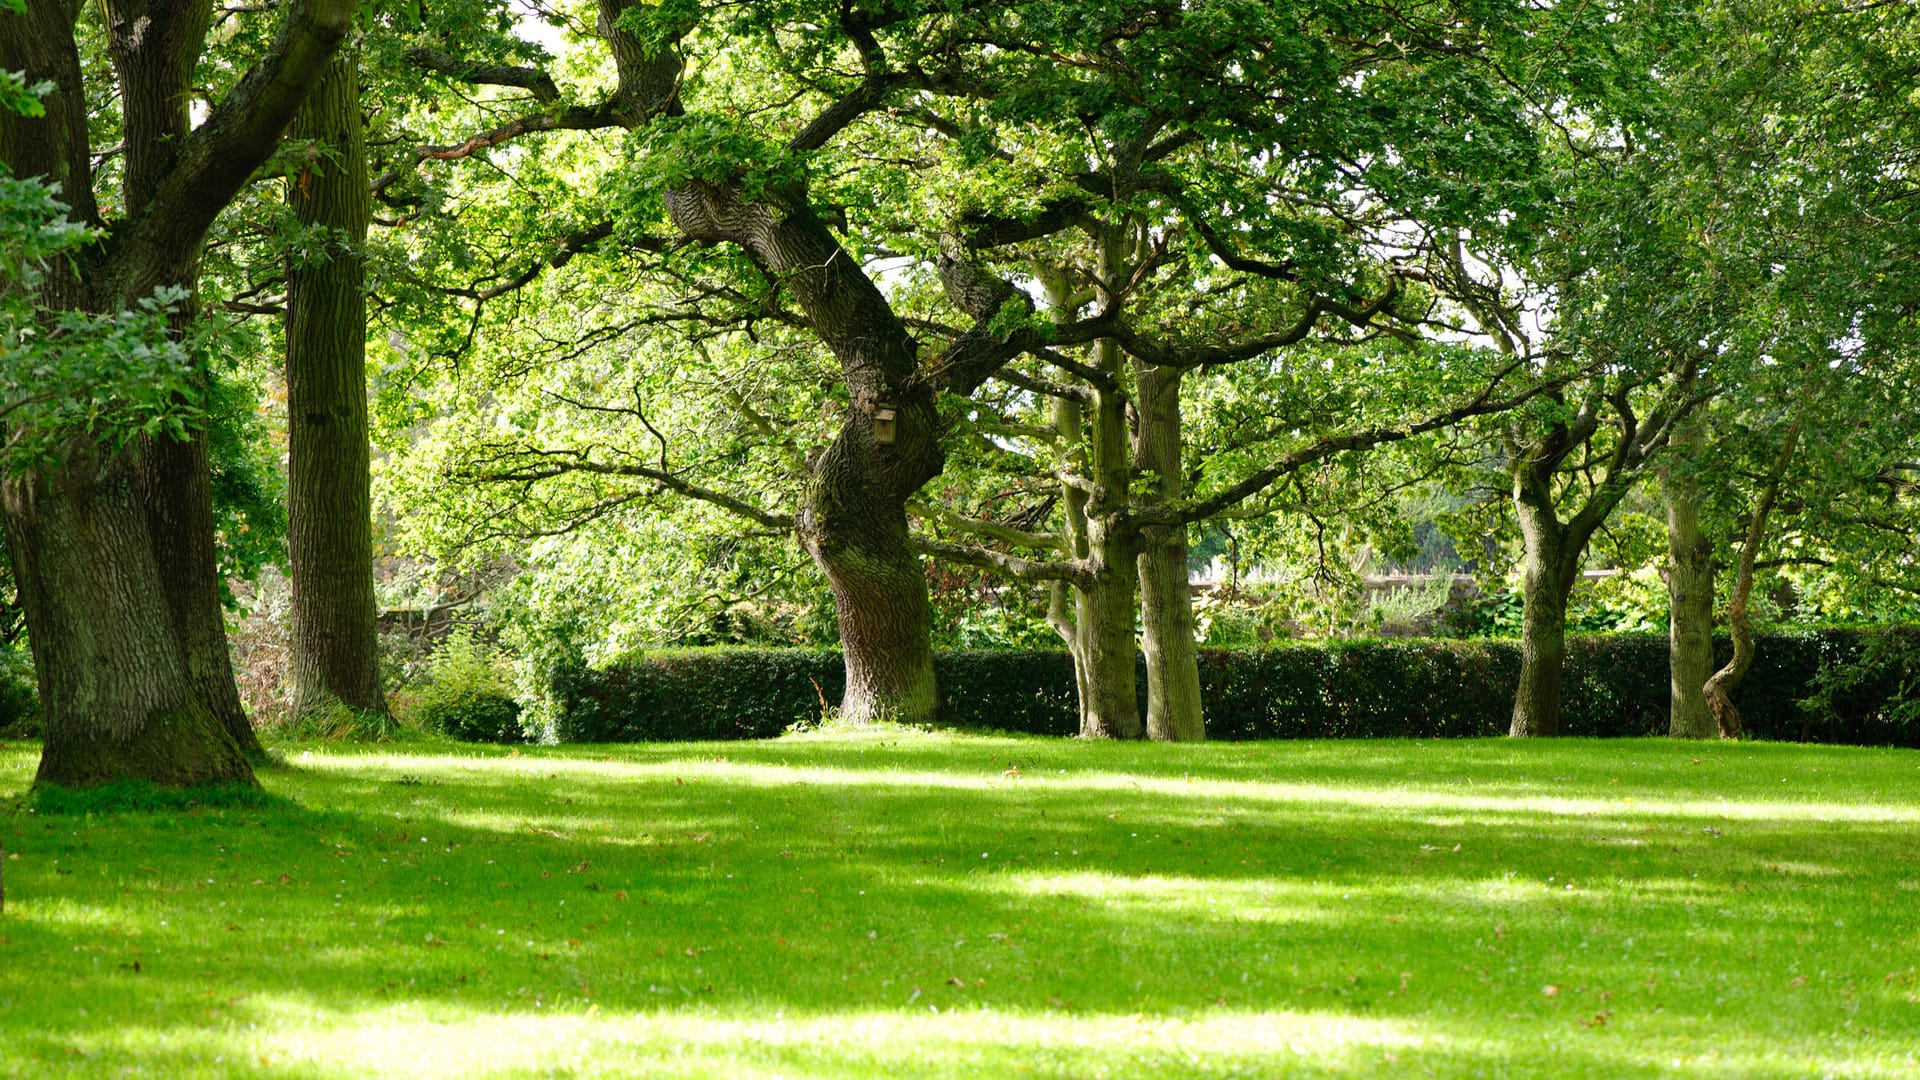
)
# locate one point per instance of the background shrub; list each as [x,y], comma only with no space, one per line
[1841,686]
[468,695]
[19,702]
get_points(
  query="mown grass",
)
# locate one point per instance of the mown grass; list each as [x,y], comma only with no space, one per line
[947,905]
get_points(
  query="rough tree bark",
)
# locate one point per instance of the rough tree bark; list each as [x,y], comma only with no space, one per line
[1174,709]
[113,550]
[1689,596]
[329,500]
[1552,562]
[153,47]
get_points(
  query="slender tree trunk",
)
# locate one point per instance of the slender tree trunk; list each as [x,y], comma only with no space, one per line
[1719,688]
[1690,597]
[1063,600]
[1174,708]
[1548,580]
[116,701]
[329,503]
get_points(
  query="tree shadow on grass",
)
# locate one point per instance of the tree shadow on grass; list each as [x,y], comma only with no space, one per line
[707,909]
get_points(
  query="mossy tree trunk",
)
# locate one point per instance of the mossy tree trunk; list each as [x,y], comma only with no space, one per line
[112,548]
[116,700]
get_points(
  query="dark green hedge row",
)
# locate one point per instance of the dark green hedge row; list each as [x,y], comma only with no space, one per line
[1616,685]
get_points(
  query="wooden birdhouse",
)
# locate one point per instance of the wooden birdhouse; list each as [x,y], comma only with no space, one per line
[883,424]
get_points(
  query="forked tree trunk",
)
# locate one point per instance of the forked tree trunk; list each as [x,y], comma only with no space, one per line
[1690,601]
[116,699]
[329,503]
[1174,708]
[114,555]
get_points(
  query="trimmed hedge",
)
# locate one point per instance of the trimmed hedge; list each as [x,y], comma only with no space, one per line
[1615,685]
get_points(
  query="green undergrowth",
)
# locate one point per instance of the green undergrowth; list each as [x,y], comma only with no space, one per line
[936,904]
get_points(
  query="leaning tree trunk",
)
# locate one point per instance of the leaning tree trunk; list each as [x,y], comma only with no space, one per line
[329,504]
[1174,709]
[1690,601]
[853,513]
[115,694]
[1548,581]
[1719,688]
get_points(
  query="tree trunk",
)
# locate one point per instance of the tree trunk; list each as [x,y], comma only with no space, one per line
[880,597]
[853,514]
[116,700]
[179,501]
[1543,628]
[1690,601]
[114,550]
[1174,709]
[1064,601]
[1111,708]
[1719,688]
[329,503]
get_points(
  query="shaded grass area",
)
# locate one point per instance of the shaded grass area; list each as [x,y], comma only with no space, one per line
[950,905]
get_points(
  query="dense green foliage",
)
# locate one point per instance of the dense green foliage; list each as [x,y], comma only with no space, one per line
[1836,686]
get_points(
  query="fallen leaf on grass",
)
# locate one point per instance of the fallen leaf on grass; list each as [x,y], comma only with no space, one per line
[584,866]
[1550,990]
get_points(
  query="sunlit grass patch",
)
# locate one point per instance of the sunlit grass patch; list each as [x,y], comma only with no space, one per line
[943,905]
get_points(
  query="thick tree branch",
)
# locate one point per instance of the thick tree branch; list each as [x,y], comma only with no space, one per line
[239,134]
[1011,565]
[526,78]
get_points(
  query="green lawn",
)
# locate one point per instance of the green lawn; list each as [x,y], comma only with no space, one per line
[943,905]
